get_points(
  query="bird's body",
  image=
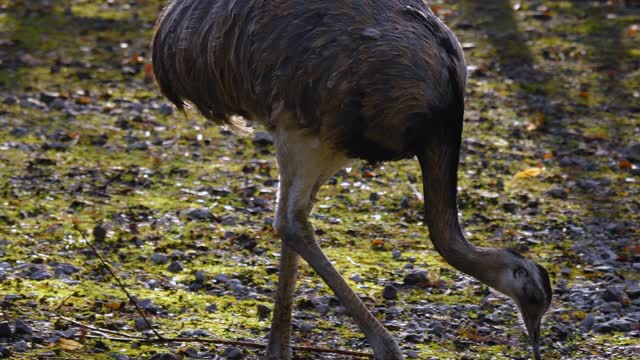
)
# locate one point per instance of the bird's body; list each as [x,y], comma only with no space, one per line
[335,80]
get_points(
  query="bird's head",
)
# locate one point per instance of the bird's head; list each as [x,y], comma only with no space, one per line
[527,283]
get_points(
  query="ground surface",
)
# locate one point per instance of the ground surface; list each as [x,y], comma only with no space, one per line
[182,209]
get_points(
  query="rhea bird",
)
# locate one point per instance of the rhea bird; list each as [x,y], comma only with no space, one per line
[333,81]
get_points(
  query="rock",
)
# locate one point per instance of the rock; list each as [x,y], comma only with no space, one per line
[148,306]
[159,259]
[200,277]
[140,324]
[5,330]
[22,328]
[615,294]
[175,267]
[116,356]
[587,323]
[99,233]
[634,292]
[396,254]
[46,355]
[165,109]
[558,193]
[139,145]
[322,309]
[66,269]
[41,274]
[200,214]
[633,152]
[263,311]
[411,354]
[212,308]
[271,270]
[416,276]
[390,292]
[165,356]
[262,138]
[20,346]
[356,279]
[5,353]
[233,353]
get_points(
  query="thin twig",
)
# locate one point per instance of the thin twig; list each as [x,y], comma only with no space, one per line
[64,301]
[106,265]
[241,343]
[107,331]
[123,337]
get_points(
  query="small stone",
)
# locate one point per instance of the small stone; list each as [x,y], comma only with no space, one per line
[263,311]
[148,306]
[271,270]
[211,308]
[99,233]
[233,353]
[66,269]
[587,323]
[416,277]
[634,292]
[41,274]
[262,138]
[165,356]
[5,353]
[116,356]
[633,152]
[20,346]
[390,292]
[558,193]
[175,267]
[140,324]
[200,214]
[22,328]
[356,279]
[159,259]
[5,330]
[46,355]
[412,354]
[396,254]
[615,294]
[165,109]
[322,309]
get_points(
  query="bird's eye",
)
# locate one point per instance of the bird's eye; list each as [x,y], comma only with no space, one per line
[520,272]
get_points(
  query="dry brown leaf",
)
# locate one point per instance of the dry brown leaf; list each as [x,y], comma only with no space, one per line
[530,172]
[536,123]
[548,156]
[69,345]
[633,30]
[625,164]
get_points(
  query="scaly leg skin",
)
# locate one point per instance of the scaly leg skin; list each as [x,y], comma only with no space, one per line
[279,346]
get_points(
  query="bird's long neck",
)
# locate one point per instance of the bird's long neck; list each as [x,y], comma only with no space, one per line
[439,164]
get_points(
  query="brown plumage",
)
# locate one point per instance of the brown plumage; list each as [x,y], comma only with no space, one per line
[335,64]
[333,80]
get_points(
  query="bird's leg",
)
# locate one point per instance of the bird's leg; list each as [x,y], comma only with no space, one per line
[304,164]
[279,346]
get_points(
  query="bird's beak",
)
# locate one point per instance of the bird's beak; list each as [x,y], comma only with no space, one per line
[533,328]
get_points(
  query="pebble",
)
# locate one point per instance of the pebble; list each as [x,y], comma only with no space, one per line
[22,328]
[396,254]
[99,233]
[5,330]
[39,275]
[390,292]
[140,324]
[233,353]
[416,276]
[175,267]
[615,294]
[263,311]
[5,353]
[20,346]
[558,193]
[165,356]
[262,138]
[159,259]
[587,323]
[66,269]
[199,214]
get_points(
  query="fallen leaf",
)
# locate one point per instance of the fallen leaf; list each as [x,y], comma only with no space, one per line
[624,164]
[548,156]
[536,123]
[633,30]
[530,172]
[69,345]
[377,243]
